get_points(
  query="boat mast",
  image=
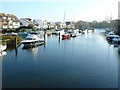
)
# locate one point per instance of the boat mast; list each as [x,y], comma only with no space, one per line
[64,20]
[110,21]
[74,20]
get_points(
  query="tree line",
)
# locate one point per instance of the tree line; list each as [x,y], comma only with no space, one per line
[94,24]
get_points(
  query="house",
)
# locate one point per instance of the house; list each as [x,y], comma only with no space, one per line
[8,21]
[26,22]
[45,26]
[60,25]
[3,21]
[70,25]
[51,25]
[38,24]
[13,21]
[41,24]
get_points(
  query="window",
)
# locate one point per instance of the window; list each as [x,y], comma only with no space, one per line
[4,17]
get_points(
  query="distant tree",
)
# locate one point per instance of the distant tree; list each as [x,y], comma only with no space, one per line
[81,25]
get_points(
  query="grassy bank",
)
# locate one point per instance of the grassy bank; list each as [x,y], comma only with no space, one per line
[10,40]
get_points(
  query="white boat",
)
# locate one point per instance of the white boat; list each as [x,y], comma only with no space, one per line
[2,47]
[32,40]
[40,34]
[116,39]
[75,33]
[108,33]
[110,37]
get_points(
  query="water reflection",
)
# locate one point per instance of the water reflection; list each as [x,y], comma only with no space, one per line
[59,39]
[35,51]
[2,55]
[16,51]
[0,73]
[65,38]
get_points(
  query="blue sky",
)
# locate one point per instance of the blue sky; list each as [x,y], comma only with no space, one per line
[87,10]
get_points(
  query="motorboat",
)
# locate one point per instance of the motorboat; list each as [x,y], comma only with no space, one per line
[110,37]
[84,32]
[66,35]
[75,33]
[32,40]
[116,39]
[40,34]
[108,33]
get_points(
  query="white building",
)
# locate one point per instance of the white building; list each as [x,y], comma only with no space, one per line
[26,21]
[60,25]
[40,24]
[8,21]
[45,26]
[70,25]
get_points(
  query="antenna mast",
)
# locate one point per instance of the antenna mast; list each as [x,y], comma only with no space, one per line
[64,16]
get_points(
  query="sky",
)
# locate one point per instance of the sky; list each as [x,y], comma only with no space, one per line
[54,10]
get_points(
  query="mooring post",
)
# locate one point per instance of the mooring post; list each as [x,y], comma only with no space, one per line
[87,30]
[59,34]
[15,42]
[44,39]
[16,51]
[44,35]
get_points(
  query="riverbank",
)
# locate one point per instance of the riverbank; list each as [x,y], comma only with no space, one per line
[11,41]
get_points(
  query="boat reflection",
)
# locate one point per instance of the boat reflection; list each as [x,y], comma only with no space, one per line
[65,38]
[35,51]
[24,47]
[2,54]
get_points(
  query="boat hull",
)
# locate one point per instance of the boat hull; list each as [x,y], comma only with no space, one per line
[32,44]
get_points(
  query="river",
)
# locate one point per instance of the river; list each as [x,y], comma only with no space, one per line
[86,61]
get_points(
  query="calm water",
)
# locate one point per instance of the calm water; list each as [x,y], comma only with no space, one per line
[87,61]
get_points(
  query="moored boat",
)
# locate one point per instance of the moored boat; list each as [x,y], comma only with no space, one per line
[75,34]
[65,35]
[110,37]
[116,39]
[32,40]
